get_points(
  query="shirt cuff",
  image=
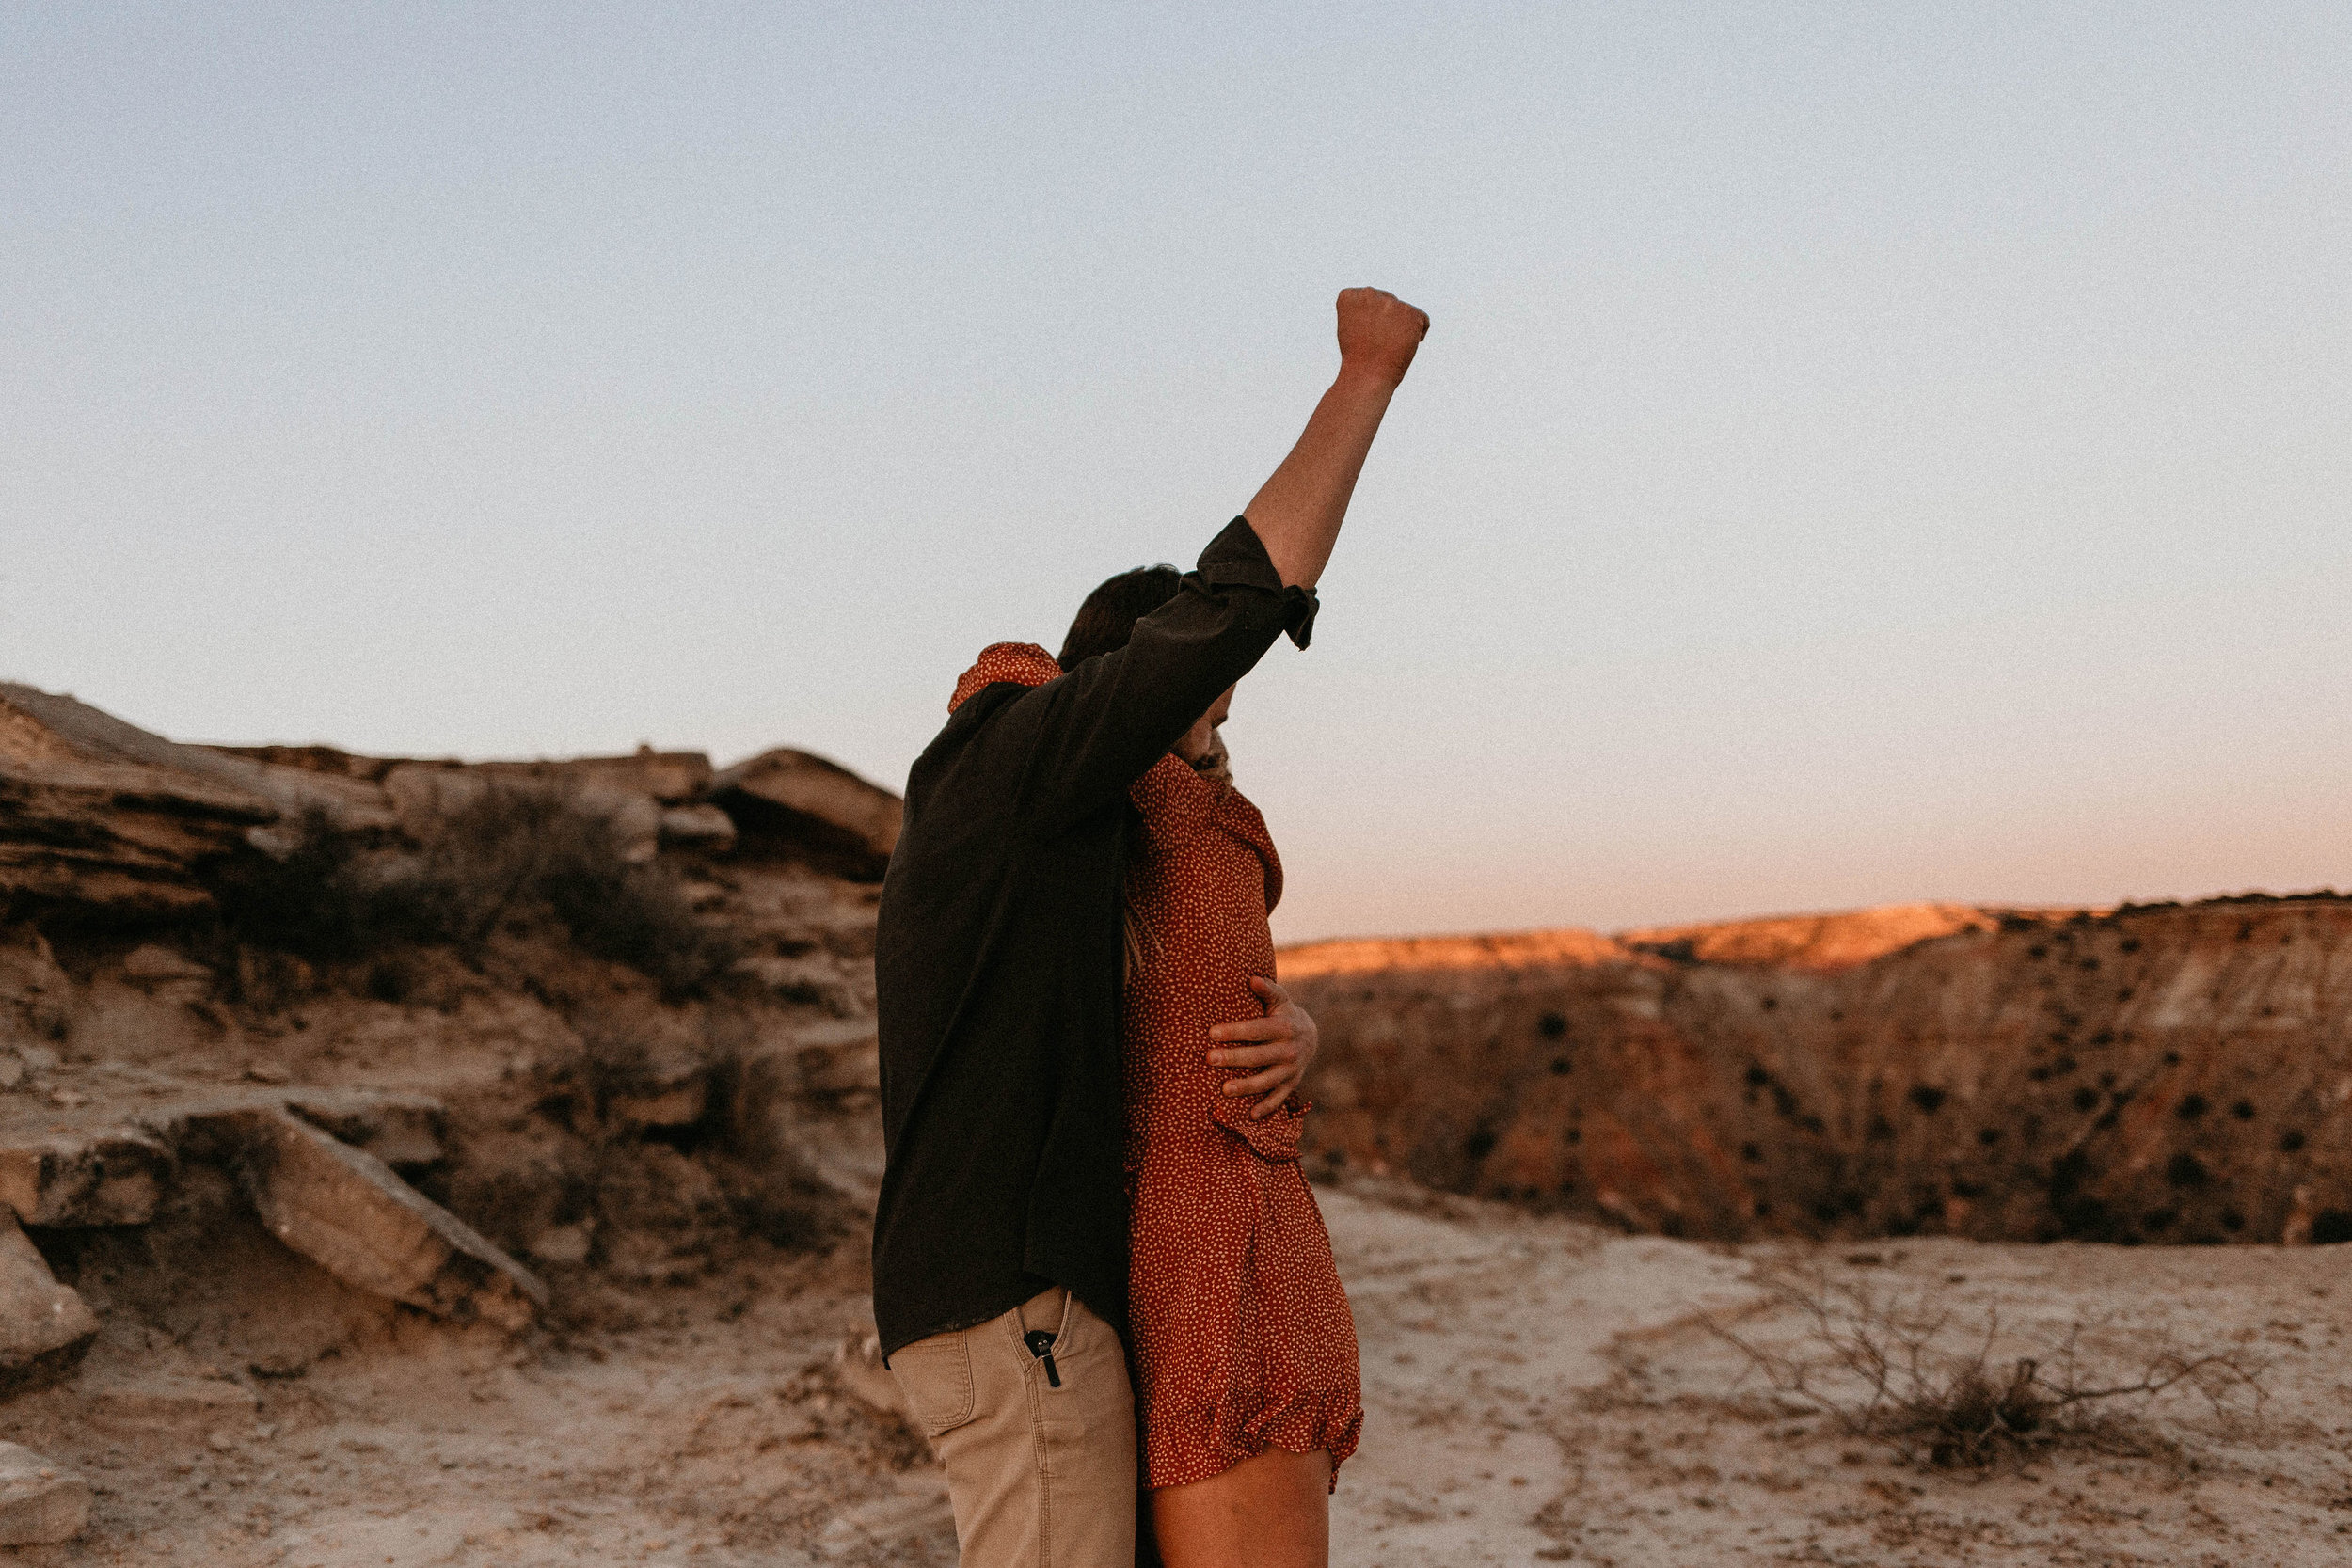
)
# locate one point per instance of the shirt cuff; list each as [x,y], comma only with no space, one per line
[1236,558]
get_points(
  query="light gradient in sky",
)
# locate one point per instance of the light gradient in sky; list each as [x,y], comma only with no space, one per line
[1864,452]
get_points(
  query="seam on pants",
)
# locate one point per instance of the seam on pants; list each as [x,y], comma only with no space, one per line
[1031,1385]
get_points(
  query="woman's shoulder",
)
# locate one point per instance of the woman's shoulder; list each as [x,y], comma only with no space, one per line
[1179,806]
[1173,798]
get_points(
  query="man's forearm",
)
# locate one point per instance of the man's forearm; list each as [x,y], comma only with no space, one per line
[1298,511]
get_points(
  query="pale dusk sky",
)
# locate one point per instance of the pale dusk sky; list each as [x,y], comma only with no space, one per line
[1865,453]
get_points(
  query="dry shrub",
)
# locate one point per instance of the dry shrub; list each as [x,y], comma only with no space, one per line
[1901,1372]
[514,853]
[317,901]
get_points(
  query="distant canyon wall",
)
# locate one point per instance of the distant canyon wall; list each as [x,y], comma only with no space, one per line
[2164,1073]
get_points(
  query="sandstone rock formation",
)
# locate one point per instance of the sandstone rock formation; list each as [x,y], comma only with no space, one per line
[82,829]
[2166,1073]
[263,1163]
[99,817]
[248,1098]
[348,1211]
[803,798]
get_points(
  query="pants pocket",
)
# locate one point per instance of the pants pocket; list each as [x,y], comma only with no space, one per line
[935,1375]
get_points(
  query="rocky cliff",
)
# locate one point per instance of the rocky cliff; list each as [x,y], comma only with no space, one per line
[298,1045]
[2160,1073]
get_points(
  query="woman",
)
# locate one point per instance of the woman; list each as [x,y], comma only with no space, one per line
[1247,1384]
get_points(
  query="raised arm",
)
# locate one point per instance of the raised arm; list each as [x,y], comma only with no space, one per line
[1298,511]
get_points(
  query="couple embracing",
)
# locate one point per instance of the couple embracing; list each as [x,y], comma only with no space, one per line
[1097,1267]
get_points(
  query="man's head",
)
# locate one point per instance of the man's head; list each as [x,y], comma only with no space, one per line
[1107,619]
[1108,616]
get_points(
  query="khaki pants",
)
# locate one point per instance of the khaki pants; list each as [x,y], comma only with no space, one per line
[1041,1477]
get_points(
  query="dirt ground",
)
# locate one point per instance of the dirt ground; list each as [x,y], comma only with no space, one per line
[1538,1391]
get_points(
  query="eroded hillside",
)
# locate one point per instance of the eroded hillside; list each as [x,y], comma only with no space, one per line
[2165,1073]
[318,1063]
[429,1165]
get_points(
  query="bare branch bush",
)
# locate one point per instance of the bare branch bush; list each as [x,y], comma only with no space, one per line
[1909,1372]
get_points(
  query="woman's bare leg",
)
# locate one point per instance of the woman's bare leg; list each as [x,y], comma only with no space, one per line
[1270,1511]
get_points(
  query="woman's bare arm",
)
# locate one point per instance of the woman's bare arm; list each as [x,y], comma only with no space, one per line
[1298,511]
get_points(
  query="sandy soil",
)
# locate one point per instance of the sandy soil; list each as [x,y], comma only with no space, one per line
[1538,1391]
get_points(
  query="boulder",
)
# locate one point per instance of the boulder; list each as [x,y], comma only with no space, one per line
[349,1213]
[160,971]
[801,1099]
[44,1327]
[697,827]
[101,1171]
[794,800]
[633,820]
[107,1165]
[98,815]
[40,1503]
[424,793]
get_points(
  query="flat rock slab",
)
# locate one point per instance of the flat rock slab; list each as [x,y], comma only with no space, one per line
[77,1170]
[40,1503]
[349,1213]
[110,1162]
[44,1327]
[402,1127]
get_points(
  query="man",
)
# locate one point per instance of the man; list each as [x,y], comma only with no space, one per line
[1000,1240]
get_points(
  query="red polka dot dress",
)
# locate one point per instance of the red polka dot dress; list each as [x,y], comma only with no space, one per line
[1242,1336]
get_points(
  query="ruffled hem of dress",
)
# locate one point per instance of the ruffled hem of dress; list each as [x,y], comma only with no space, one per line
[1302,1426]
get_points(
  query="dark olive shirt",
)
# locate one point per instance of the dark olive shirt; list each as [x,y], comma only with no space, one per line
[998,961]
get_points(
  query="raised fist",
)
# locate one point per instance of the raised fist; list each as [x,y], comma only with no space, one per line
[1379,332]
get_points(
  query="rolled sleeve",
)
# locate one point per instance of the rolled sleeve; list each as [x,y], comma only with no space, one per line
[1237,558]
[1082,739]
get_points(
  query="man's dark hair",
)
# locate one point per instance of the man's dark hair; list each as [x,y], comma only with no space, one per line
[1108,617]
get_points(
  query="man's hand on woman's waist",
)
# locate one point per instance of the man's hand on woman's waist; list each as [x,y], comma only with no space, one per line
[1282,1043]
